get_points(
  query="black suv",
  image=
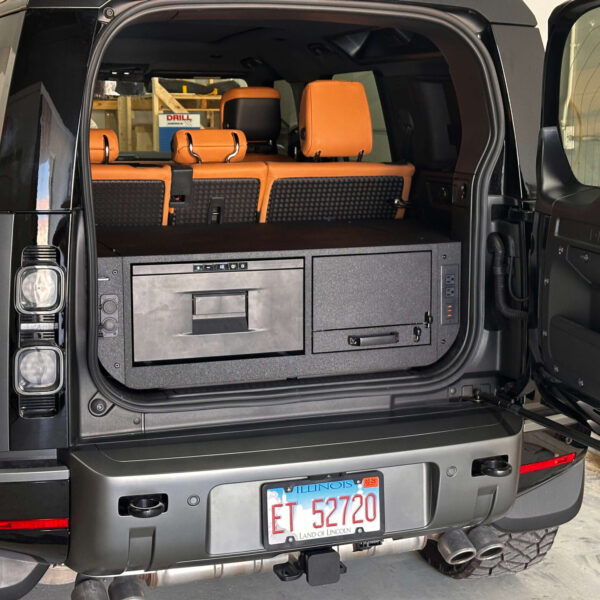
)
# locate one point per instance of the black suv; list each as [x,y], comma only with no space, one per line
[284,286]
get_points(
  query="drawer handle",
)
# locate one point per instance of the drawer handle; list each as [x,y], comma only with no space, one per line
[373,340]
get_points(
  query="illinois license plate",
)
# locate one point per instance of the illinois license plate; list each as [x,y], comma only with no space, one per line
[311,512]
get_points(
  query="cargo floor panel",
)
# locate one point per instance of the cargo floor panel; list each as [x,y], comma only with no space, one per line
[224,305]
[265,237]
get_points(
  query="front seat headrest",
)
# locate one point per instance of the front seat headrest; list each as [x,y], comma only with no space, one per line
[254,110]
[335,120]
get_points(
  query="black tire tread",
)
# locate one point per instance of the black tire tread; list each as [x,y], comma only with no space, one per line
[523,550]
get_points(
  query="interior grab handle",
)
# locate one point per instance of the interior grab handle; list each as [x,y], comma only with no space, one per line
[374,340]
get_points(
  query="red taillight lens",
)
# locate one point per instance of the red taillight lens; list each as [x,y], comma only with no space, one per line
[34,524]
[547,464]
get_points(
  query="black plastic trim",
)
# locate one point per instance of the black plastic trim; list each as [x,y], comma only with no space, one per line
[549,504]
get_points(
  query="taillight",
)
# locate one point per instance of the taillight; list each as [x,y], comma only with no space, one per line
[39,298]
[34,524]
[547,464]
[39,289]
[38,370]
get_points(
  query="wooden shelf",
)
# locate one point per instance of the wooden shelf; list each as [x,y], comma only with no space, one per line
[160,101]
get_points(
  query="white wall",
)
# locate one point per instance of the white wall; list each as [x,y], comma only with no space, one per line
[542,9]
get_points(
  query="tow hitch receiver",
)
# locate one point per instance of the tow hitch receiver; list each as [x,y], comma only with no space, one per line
[321,566]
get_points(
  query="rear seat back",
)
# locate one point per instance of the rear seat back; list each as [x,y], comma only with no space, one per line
[255,111]
[126,195]
[222,188]
[335,122]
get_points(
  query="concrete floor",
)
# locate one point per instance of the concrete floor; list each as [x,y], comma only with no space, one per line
[570,571]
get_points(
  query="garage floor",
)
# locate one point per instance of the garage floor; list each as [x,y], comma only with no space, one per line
[571,571]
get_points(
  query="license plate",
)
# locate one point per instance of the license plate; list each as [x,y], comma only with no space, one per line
[312,512]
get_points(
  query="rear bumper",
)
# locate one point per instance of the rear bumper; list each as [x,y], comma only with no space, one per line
[426,462]
[549,504]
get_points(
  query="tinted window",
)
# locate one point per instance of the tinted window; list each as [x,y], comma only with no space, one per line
[10,30]
[37,150]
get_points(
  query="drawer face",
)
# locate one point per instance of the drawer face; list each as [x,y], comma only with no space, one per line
[371,290]
[210,314]
[351,340]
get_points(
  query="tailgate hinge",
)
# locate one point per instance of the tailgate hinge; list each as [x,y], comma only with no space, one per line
[520,215]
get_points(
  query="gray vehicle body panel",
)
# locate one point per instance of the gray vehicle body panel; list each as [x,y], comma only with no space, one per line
[413,453]
[552,503]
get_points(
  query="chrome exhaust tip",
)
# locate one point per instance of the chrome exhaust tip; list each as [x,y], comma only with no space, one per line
[455,547]
[487,544]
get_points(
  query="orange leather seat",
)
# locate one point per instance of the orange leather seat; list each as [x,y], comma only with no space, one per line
[335,122]
[224,189]
[256,112]
[126,195]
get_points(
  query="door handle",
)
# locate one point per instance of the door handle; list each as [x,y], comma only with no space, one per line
[373,340]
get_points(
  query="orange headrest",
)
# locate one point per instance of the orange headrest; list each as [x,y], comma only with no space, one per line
[104,146]
[208,146]
[335,120]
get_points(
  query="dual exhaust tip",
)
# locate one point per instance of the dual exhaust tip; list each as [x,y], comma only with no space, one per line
[458,547]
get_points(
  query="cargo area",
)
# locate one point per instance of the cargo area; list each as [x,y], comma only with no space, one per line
[283,202]
[287,301]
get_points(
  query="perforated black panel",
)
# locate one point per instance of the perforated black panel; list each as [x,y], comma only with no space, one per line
[128,203]
[219,201]
[334,198]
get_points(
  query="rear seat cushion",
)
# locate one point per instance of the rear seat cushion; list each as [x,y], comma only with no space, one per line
[126,195]
[268,158]
[335,120]
[234,190]
[334,191]
[211,145]
[119,204]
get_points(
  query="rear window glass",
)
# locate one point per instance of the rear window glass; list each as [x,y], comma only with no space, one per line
[381,145]
[145,115]
[579,99]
